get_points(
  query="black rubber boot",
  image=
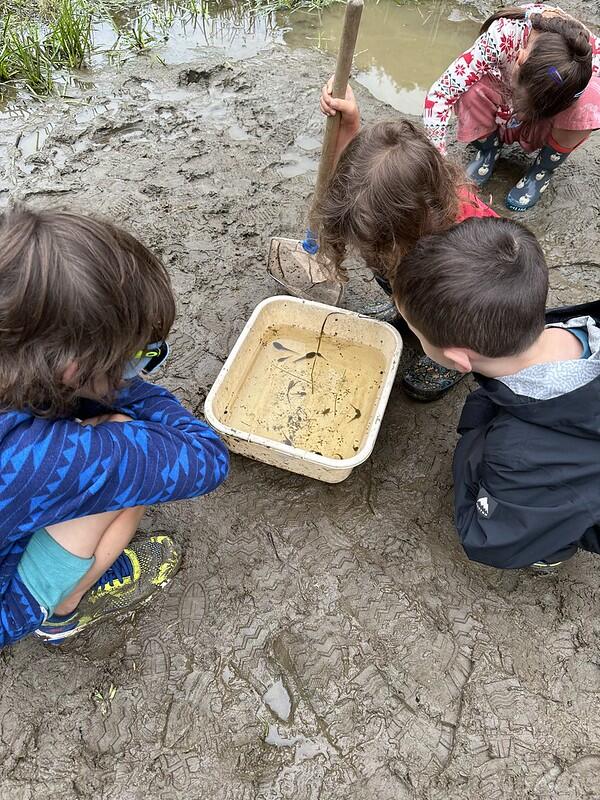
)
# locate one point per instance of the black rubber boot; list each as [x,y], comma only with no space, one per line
[532,186]
[385,310]
[427,380]
[488,150]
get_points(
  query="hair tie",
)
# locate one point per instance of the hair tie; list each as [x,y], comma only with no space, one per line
[555,75]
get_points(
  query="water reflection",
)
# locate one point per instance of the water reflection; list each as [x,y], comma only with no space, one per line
[401,49]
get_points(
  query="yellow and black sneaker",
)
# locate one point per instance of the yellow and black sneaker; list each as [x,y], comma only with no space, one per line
[143,568]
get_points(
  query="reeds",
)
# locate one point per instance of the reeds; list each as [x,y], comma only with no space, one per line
[23,56]
[37,39]
[31,50]
[69,40]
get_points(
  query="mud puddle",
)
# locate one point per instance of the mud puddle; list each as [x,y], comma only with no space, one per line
[391,44]
[392,41]
[389,60]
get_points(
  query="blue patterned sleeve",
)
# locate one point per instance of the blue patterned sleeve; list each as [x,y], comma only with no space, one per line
[51,471]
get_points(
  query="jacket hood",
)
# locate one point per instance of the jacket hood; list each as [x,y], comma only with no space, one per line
[575,412]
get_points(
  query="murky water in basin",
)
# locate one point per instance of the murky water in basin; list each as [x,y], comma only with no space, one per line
[316,397]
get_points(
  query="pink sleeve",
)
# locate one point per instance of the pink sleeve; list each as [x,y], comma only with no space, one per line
[488,52]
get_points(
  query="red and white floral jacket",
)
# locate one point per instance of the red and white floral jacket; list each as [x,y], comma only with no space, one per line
[494,54]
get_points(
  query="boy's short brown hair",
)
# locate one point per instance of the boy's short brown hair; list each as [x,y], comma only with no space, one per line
[73,290]
[482,284]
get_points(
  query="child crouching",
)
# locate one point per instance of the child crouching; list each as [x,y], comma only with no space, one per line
[84,305]
[527,466]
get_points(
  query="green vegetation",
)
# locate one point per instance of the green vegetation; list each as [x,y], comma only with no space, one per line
[32,49]
[39,38]
[69,40]
[23,56]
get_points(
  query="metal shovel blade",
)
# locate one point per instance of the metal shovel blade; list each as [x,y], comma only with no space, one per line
[301,274]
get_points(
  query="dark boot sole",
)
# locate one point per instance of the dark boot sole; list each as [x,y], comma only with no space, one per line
[429,397]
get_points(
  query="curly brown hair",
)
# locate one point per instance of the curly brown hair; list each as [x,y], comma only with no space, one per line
[390,187]
[76,295]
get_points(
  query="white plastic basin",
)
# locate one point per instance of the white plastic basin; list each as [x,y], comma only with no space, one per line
[305,387]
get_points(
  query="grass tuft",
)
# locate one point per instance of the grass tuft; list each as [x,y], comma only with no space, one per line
[23,56]
[69,40]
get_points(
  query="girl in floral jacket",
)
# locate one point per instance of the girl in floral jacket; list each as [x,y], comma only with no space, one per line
[532,77]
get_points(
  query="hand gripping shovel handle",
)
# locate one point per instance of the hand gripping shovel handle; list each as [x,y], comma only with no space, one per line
[343,68]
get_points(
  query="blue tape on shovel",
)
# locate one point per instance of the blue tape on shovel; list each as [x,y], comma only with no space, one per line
[310,244]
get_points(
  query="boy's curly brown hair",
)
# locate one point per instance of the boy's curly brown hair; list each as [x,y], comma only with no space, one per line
[76,295]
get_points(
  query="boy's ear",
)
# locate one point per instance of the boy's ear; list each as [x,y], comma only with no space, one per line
[460,357]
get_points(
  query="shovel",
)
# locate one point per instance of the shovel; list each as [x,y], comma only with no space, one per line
[292,263]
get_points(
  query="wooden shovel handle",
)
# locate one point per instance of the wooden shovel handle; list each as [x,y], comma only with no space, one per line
[343,67]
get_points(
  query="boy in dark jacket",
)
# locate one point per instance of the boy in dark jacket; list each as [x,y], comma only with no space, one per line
[527,466]
[85,445]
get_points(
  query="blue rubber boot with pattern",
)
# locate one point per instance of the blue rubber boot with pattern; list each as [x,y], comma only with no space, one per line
[488,151]
[532,186]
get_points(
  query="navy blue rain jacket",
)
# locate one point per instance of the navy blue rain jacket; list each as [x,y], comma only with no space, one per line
[527,472]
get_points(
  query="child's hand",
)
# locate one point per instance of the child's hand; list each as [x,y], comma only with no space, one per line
[348,108]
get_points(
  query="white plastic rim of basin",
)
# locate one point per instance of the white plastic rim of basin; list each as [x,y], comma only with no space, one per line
[295,452]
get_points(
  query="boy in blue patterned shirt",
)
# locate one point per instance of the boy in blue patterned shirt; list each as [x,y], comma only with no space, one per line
[83,451]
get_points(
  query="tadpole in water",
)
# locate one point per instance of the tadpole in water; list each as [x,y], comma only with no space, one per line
[309,356]
[291,385]
[326,411]
[279,346]
[357,413]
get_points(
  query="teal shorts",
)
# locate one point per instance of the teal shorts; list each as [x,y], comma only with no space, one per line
[49,571]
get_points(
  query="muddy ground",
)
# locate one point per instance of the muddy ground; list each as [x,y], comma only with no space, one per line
[392,667]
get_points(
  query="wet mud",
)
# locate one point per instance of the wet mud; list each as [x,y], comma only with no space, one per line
[320,642]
